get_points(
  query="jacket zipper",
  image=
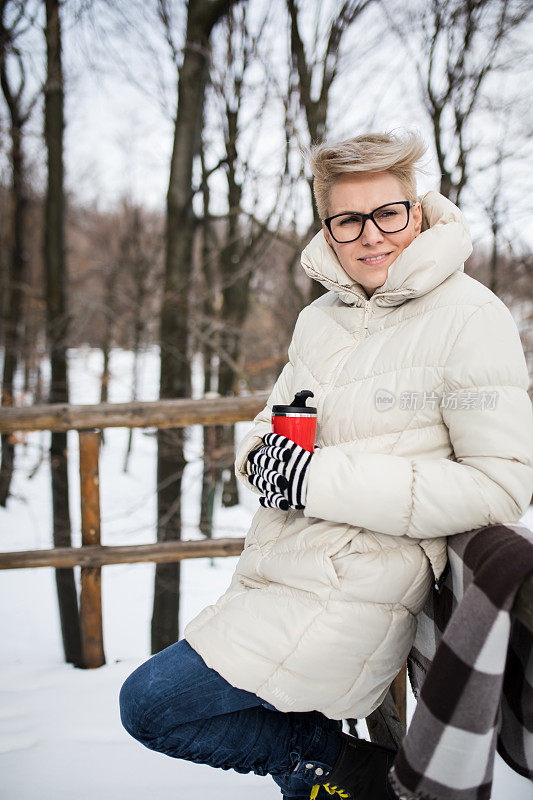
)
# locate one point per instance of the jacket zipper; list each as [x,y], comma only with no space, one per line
[367,315]
[365,333]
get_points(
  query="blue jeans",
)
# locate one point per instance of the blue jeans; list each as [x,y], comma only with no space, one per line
[175,704]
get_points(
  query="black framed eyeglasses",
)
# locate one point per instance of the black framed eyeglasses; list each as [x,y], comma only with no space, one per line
[389,218]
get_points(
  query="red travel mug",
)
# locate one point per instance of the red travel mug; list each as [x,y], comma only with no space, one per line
[296,421]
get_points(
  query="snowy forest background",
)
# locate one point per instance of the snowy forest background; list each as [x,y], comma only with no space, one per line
[153,207]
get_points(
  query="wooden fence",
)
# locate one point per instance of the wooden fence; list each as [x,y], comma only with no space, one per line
[89,421]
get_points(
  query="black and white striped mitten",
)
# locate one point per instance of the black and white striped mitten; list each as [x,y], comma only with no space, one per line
[279,470]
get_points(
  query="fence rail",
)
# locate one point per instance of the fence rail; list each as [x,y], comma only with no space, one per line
[100,555]
[156,414]
[89,421]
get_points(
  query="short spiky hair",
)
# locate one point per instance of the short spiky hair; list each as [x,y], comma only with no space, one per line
[371,152]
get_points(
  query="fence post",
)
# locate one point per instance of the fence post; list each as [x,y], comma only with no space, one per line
[399,693]
[91,577]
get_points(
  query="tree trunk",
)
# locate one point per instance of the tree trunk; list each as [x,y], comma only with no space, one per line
[175,368]
[209,482]
[15,262]
[13,298]
[110,278]
[207,499]
[54,248]
[235,298]
[137,260]
[138,328]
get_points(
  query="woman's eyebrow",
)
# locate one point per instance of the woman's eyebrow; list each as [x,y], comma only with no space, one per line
[388,203]
[351,211]
[360,213]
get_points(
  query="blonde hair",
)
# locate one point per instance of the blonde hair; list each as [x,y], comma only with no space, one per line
[371,152]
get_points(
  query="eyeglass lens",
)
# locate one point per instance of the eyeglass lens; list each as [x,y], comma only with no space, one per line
[389,219]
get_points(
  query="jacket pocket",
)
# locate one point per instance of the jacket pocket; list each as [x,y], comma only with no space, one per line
[333,558]
[331,572]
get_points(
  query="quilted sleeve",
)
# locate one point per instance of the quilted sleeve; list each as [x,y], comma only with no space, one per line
[491,479]
[281,393]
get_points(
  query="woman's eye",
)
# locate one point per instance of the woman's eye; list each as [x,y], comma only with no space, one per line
[353,219]
[388,213]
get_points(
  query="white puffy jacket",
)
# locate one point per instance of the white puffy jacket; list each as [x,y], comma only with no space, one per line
[425,429]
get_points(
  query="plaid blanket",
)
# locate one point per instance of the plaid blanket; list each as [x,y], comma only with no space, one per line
[471,669]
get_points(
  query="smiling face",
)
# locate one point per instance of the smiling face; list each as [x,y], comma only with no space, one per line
[367,260]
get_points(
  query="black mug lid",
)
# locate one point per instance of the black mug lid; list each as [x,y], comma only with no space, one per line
[298,405]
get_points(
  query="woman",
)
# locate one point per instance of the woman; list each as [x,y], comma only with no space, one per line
[424,430]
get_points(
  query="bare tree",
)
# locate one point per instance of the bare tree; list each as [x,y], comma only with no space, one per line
[241,235]
[54,258]
[110,278]
[205,346]
[13,23]
[140,257]
[202,15]
[456,46]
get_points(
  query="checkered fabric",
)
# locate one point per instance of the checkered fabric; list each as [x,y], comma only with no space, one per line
[471,669]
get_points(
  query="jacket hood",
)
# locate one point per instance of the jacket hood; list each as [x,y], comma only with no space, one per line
[440,249]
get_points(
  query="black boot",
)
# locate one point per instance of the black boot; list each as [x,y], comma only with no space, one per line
[360,772]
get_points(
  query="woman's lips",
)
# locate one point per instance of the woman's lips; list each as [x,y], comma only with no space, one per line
[375,260]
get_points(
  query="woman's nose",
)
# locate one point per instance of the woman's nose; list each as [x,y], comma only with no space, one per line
[371,233]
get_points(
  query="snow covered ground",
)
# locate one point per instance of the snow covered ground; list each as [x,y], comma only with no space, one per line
[60,732]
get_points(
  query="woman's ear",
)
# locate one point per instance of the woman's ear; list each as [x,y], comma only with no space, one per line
[416,211]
